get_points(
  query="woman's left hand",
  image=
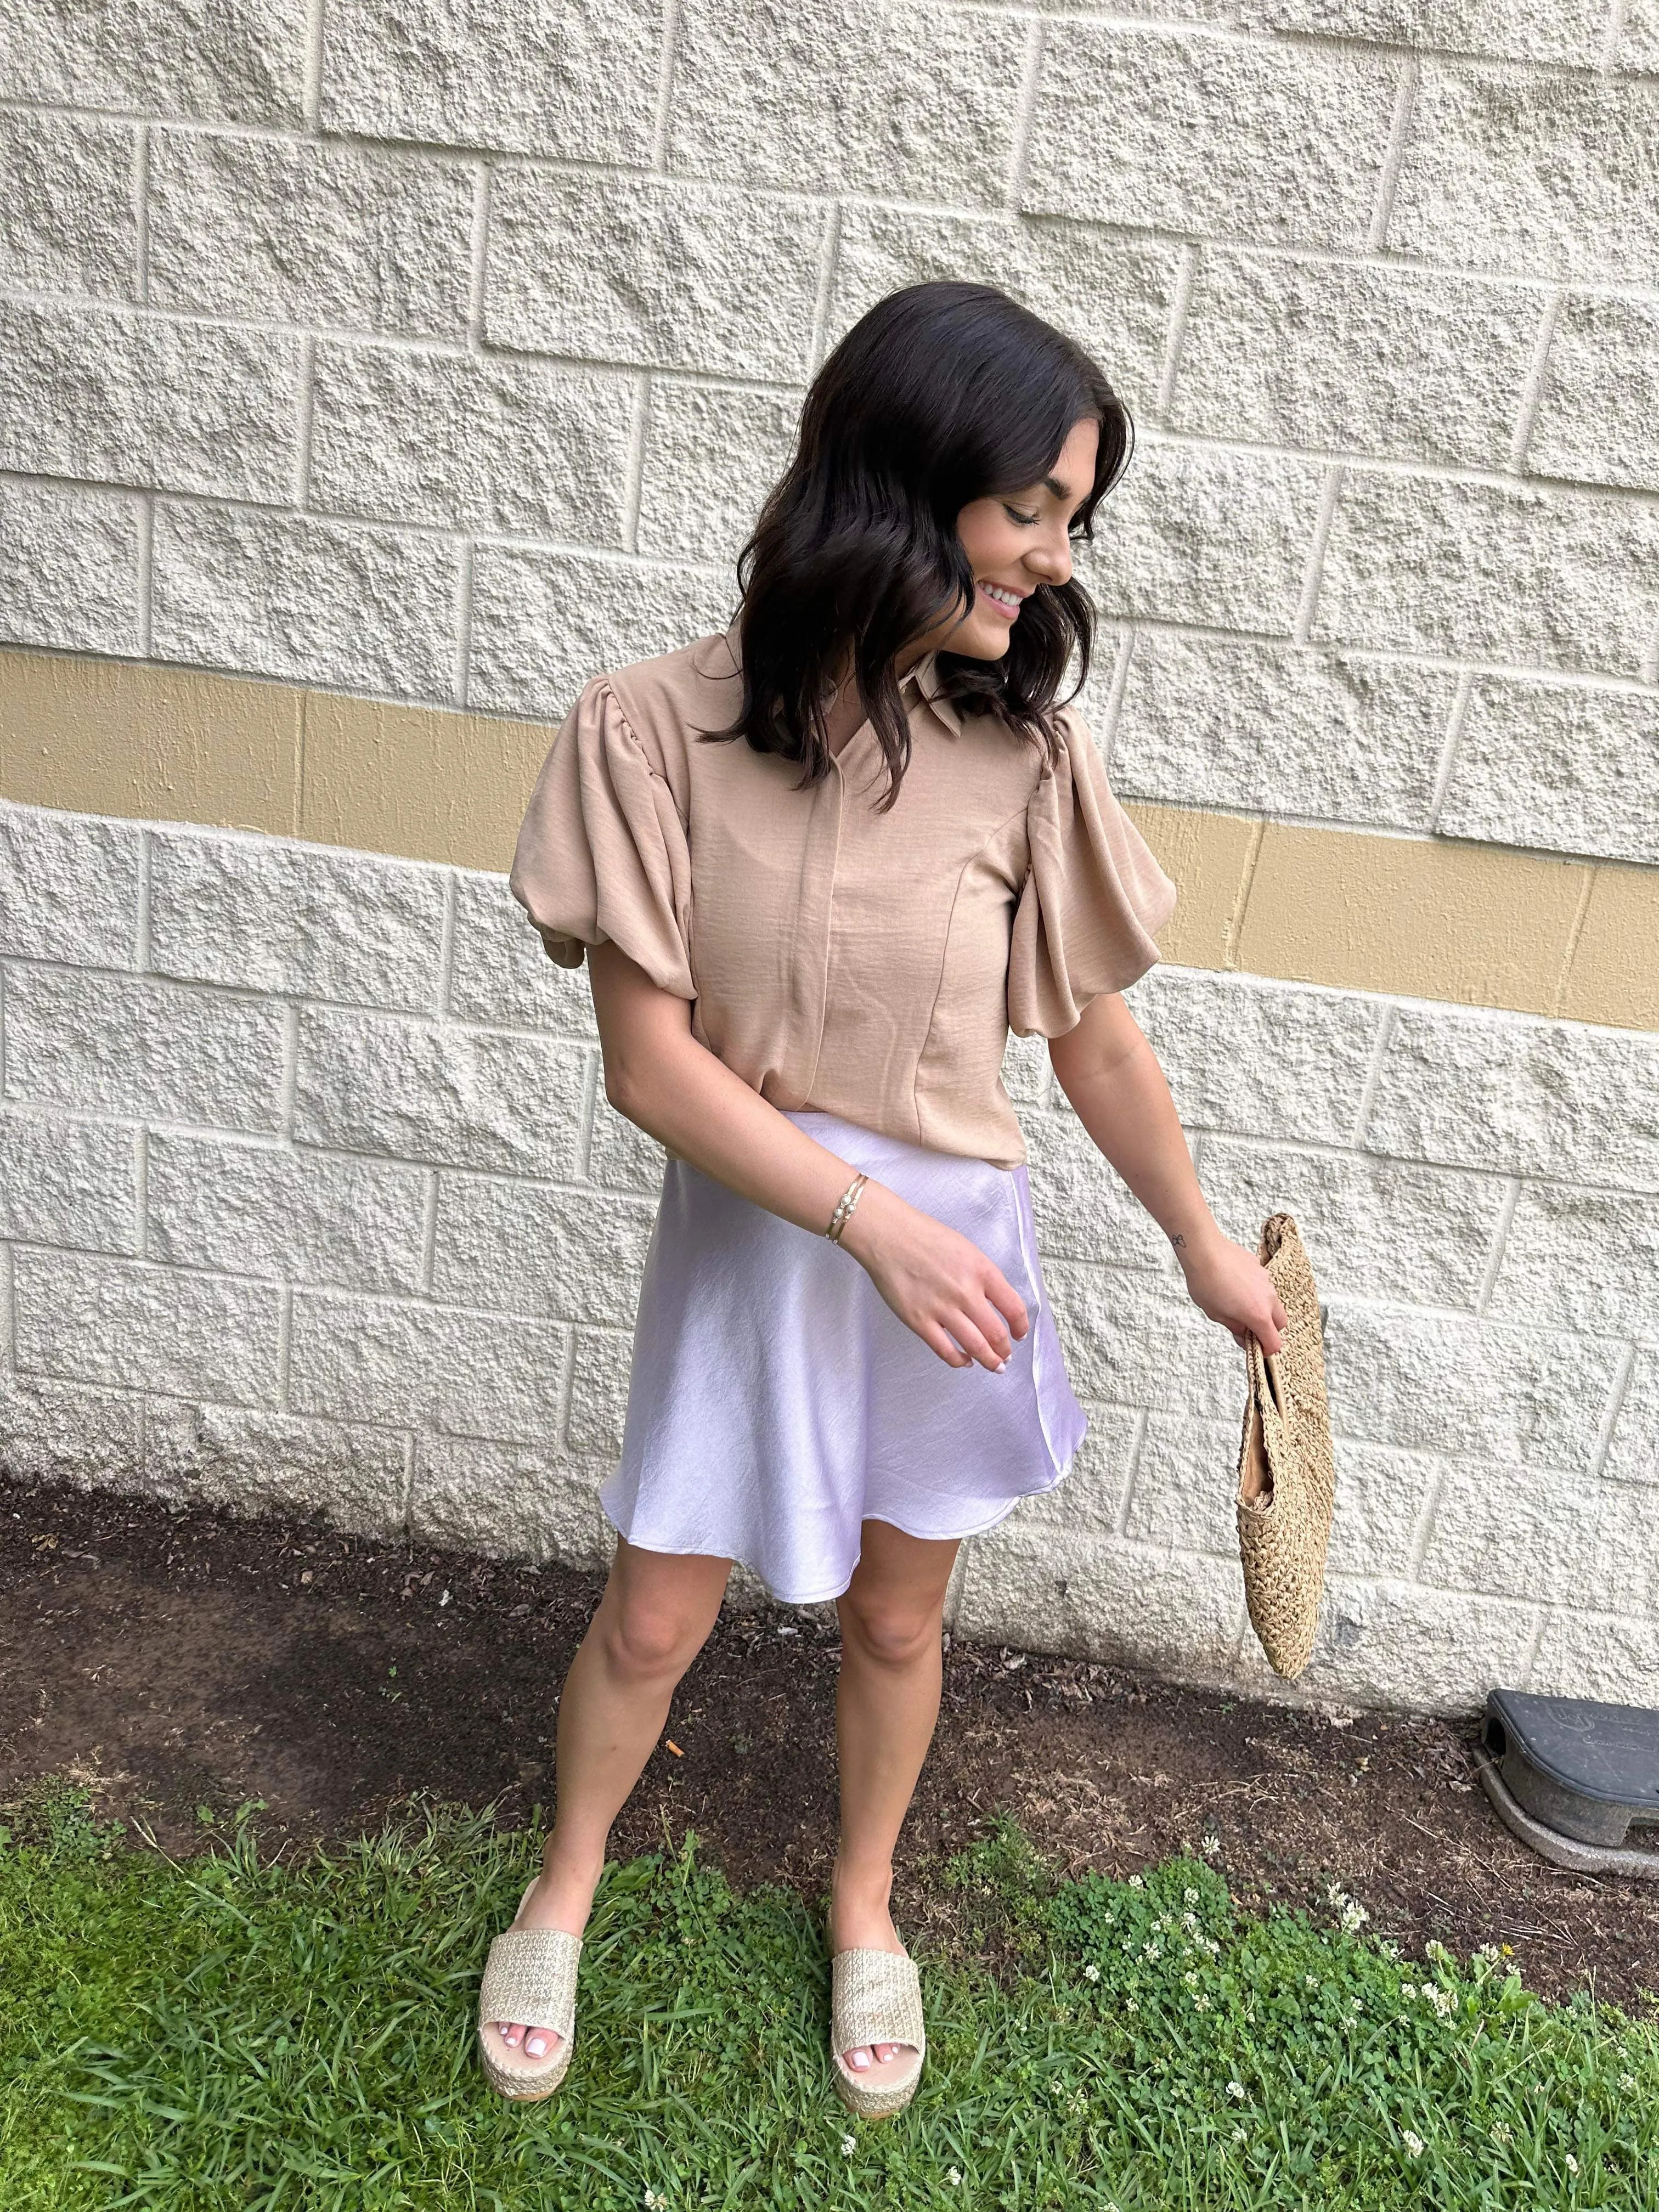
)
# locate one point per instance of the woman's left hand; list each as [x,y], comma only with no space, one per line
[1233,1287]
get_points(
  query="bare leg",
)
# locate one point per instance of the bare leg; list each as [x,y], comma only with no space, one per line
[886,1707]
[651,1623]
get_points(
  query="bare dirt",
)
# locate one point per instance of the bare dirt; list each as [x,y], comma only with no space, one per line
[185,1663]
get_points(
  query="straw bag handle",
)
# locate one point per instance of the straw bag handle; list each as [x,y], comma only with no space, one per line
[1267,1378]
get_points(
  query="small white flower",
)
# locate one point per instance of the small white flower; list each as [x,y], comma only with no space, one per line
[1236,2089]
[1408,1989]
[848,2145]
[1442,2001]
[1412,2140]
[1355,2005]
[1135,1882]
[1189,1896]
[652,2200]
[1502,2132]
[953,2177]
[1572,2163]
[1200,2004]
[1354,1917]
[1312,1980]
[1627,2081]
[1092,1973]
[1211,1846]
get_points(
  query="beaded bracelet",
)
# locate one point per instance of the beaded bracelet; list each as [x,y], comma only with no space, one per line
[843,1213]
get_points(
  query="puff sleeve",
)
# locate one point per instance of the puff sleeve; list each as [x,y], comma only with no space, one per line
[602,853]
[1093,898]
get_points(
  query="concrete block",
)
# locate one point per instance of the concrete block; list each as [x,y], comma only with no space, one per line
[69,887]
[819,98]
[478,1375]
[598,1394]
[1639,50]
[1598,412]
[1197,534]
[294,231]
[345,1473]
[1581,1259]
[1632,1453]
[621,1155]
[470,442]
[1176,1612]
[1513,1533]
[1182,131]
[1587,1654]
[511,1501]
[1515,1097]
[1560,766]
[499,973]
[1434,1381]
[123,398]
[653,275]
[68,568]
[106,1044]
[711,456]
[1374,1228]
[1087,1504]
[68,1183]
[269,915]
[315,602]
[1341,736]
[1382,1499]
[241,59]
[454,1096]
[1083,1210]
[1112,294]
[58,1432]
[265,1209]
[1028,1074]
[1547,175]
[1184,1483]
[1509,30]
[544,77]
[87,1319]
[1258,1059]
[1367,360]
[543,624]
[1549,579]
[571,1254]
[69,216]
[1128,1340]
[1394,1644]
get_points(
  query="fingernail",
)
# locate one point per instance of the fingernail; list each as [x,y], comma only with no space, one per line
[1001,1363]
[536,2045]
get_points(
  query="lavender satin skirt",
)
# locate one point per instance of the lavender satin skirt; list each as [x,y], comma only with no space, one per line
[775,1403]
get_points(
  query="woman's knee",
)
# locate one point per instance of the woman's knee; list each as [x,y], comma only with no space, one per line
[654,1632]
[892,1628]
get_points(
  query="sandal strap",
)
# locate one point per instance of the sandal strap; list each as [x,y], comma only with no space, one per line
[531,1976]
[875,1996]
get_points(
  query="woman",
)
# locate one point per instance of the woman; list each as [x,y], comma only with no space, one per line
[818,867]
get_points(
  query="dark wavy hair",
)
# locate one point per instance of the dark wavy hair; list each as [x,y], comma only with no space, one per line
[941,395]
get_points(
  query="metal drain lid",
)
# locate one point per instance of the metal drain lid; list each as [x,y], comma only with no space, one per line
[1586,1770]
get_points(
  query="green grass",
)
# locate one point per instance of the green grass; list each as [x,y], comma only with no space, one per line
[228,2031]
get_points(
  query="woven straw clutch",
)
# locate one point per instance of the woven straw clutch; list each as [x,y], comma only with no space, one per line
[1286,1473]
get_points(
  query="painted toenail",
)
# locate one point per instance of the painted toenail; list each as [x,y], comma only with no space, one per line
[536,2045]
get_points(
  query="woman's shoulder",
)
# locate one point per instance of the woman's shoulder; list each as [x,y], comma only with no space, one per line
[663,702]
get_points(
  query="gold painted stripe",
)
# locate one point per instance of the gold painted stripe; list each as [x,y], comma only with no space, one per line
[1432,918]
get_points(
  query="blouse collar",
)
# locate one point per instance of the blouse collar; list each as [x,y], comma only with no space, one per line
[921,682]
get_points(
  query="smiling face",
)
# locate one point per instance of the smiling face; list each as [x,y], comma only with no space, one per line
[1015,541]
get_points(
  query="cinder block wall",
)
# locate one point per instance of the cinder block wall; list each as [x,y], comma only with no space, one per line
[423,358]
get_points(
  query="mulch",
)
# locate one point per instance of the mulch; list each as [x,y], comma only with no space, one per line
[182,1663]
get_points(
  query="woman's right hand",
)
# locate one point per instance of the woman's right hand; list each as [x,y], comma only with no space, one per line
[940,1284]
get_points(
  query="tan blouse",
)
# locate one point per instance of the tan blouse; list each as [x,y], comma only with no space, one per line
[868,964]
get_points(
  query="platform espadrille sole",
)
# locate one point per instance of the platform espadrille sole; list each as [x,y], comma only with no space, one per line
[530,1976]
[875,1996]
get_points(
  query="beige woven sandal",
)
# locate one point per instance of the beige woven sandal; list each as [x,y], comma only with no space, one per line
[875,1996]
[529,1976]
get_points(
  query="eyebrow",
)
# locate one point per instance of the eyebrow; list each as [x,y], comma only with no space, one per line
[1061,491]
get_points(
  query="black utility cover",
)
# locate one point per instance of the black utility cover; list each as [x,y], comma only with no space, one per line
[1587,1770]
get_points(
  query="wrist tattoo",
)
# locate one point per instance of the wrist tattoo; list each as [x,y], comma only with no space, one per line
[1178,1240]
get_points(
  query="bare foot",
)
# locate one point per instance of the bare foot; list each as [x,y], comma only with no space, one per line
[860,1921]
[559,1899]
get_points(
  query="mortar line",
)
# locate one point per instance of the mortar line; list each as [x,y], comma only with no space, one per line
[406,1484]
[140,1187]
[1176,339]
[1119,685]
[284,1343]
[1313,575]
[1449,744]
[823,298]
[1024,114]
[9,1295]
[141,214]
[305,413]
[1618,17]
[634,465]
[1235,929]
[1576,930]
[1500,1238]
[302,734]
[288,1087]
[1388,183]
[461,668]
[144,577]
[1423,1527]
[1532,388]
[141,919]
[1615,1406]
[587,1116]
[311,97]
[665,66]
[1131,1473]
[1373,1077]
[1541,1619]
[1650,666]
[430,1231]
[478,274]
[3,980]
[448,929]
